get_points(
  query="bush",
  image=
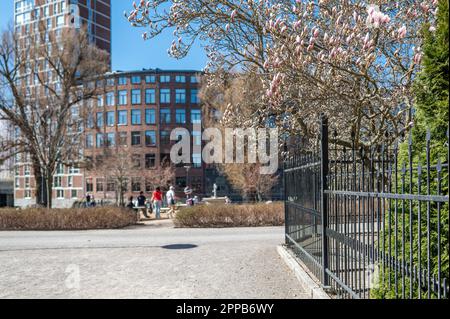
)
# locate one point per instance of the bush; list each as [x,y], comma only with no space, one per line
[431,112]
[66,219]
[221,216]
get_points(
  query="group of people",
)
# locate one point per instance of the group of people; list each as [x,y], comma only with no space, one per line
[154,203]
[90,200]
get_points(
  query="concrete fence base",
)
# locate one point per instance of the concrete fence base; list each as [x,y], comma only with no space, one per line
[309,285]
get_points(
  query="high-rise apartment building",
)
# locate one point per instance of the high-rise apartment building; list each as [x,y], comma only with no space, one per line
[6,169]
[57,14]
[53,16]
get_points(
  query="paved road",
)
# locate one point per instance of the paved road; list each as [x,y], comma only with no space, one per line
[152,261]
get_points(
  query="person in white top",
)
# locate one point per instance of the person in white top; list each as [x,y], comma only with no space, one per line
[170,196]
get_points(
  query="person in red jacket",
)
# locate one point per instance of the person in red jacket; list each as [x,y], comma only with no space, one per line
[157,202]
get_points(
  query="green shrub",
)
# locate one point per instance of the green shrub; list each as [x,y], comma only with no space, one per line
[66,219]
[221,216]
[432,94]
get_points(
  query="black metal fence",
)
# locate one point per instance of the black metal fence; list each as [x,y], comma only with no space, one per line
[368,225]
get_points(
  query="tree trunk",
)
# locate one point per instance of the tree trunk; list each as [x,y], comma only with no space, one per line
[41,196]
[49,190]
[122,201]
[259,196]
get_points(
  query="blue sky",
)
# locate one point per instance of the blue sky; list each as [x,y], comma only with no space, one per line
[129,51]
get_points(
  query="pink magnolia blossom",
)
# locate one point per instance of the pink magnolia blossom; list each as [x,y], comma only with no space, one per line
[402,32]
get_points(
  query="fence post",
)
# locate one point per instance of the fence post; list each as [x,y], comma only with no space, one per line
[324,199]
[286,215]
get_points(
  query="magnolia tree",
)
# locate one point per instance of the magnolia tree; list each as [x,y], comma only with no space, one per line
[234,31]
[352,60]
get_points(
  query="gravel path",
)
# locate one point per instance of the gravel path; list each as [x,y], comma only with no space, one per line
[152,261]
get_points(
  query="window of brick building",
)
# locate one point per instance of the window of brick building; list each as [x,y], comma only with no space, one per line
[122,117]
[165,96]
[164,78]
[180,79]
[150,79]
[136,79]
[136,184]
[123,80]
[100,101]
[27,194]
[194,79]
[123,139]
[194,96]
[111,186]
[136,117]
[136,159]
[136,97]
[110,118]
[100,121]
[165,137]
[123,100]
[89,185]
[111,139]
[165,117]
[150,117]
[180,116]
[135,138]
[150,161]
[100,185]
[100,140]
[89,141]
[180,96]
[57,181]
[150,138]
[196,116]
[110,100]
[150,96]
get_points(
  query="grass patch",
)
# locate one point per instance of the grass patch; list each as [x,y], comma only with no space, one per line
[221,216]
[66,219]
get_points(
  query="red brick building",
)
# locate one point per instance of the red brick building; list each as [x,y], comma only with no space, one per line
[139,111]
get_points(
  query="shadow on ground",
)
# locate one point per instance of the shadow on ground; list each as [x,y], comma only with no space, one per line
[180,247]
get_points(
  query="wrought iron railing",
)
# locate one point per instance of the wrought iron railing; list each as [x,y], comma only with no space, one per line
[366,224]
